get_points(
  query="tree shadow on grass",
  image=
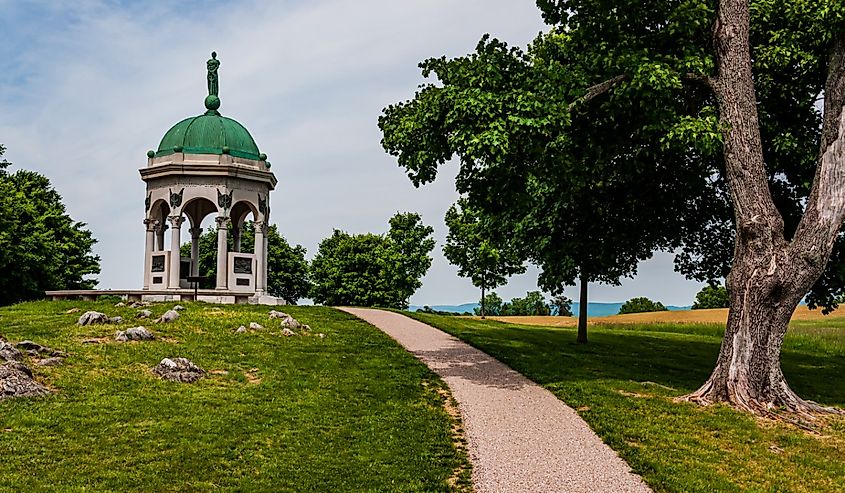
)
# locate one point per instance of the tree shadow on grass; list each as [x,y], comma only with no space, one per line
[678,361]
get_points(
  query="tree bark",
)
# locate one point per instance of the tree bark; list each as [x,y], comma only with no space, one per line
[769,275]
[582,313]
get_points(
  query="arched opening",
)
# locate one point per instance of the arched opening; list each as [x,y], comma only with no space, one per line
[157,215]
[243,235]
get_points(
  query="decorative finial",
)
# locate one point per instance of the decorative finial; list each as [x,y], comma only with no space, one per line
[212,101]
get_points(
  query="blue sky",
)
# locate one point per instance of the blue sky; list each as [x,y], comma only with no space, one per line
[87,87]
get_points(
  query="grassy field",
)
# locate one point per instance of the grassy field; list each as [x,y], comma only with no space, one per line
[351,412]
[623,383]
[711,316]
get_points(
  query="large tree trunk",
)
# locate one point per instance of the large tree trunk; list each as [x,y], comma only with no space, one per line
[770,274]
[582,313]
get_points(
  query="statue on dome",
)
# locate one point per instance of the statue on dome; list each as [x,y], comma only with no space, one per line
[213,64]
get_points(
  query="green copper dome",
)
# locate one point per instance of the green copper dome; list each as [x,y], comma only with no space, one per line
[210,133]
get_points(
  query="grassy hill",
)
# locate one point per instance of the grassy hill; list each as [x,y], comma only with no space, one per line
[350,412]
[623,383]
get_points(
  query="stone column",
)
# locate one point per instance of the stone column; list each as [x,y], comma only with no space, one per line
[195,250]
[222,252]
[150,225]
[162,228]
[236,239]
[175,244]
[260,251]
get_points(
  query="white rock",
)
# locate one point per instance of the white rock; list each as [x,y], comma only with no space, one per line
[178,370]
[291,323]
[144,314]
[275,314]
[134,334]
[287,332]
[92,318]
[168,316]
[240,330]
[120,304]
[322,336]
[178,307]
[255,326]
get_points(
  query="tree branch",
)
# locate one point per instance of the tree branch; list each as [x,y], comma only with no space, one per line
[704,79]
[597,90]
[826,205]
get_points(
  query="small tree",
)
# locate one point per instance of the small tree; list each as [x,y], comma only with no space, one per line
[410,244]
[712,296]
[490,305]
[640,305]
[561,306]
[476,253]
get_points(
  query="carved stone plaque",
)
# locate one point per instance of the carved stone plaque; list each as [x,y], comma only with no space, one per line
[243,265]
[157,264]
[242,282]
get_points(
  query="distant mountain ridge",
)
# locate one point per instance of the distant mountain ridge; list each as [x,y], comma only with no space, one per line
[594,309]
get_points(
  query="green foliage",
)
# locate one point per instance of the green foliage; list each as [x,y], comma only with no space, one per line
[561,306]
[534,304]
[269,416]
[624,384]
[41,247]
[432,311]
[287,269]
[641,305]
[492,305]
[410,245]
[483,258]
[712,296]
[370,269]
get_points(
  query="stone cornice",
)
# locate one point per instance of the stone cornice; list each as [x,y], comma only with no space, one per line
[210,169]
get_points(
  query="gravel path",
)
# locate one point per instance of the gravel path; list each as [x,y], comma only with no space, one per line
[521,437]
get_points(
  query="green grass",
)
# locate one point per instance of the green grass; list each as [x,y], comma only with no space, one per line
[623,383]
[351,412]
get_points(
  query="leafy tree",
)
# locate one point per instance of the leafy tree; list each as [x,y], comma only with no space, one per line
[411,243]
[287,269]
[478,255]
[41,247]
[580,192]
[370,269]
[534,304]
[491,304]
[718,100]
[712,296]
[561,306]
[641,305]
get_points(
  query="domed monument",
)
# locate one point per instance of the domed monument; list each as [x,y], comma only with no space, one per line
[207,164]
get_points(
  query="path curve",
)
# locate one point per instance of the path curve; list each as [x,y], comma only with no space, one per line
[521,437]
